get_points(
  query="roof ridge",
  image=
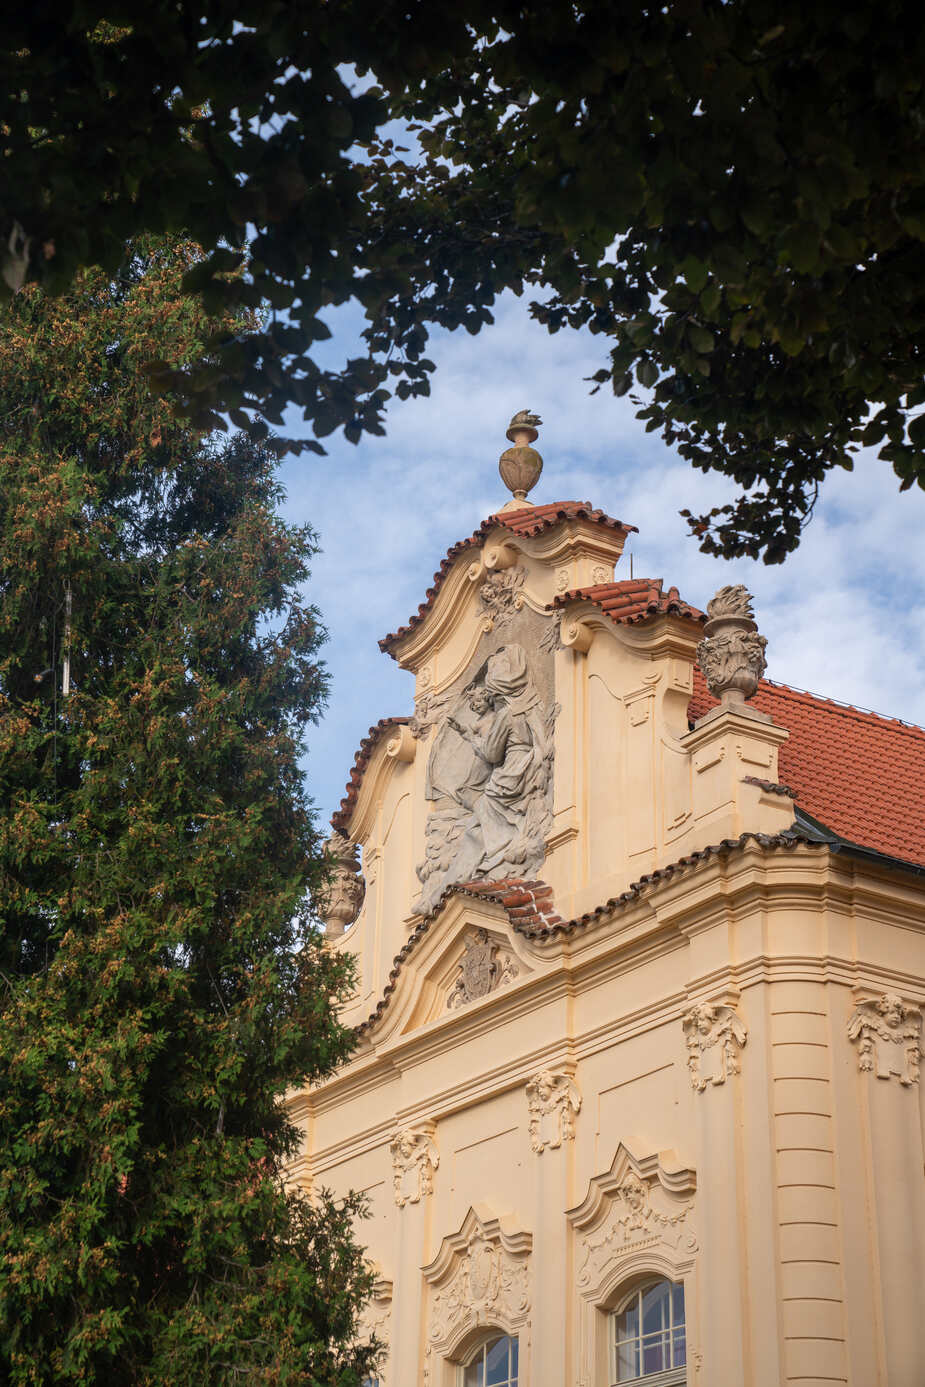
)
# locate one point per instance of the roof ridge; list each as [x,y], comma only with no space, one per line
[840,705]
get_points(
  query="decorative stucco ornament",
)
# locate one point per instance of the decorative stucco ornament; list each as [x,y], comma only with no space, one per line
[553,1100]
[715,1035]
[731,654]
[414,1159]
[888,1033]
[340,904]
[520,466]
[482,969]
[501,596]
[489,776]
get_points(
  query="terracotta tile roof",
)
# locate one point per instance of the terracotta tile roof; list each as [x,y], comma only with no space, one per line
[526,523]
[342,816]
[859,774]
[538,918]
[632,599]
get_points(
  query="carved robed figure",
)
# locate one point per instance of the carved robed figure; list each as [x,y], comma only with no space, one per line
[490,777]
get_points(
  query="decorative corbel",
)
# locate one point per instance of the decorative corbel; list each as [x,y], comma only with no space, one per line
[576,635]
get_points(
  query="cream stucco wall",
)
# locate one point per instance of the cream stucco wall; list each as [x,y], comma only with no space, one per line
[754,1159]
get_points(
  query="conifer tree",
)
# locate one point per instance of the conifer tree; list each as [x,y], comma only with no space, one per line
[159,991]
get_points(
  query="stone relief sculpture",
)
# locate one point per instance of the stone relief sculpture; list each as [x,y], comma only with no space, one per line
[490,776]
[640,1213]
[888,1032]
[500,595]
[715,1035]
[414,1159]
[732,653]
[480,1276]
[554,1101]
[341,902]
[482,969]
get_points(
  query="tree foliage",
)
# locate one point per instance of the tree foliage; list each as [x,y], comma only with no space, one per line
[158,993]
[730,192]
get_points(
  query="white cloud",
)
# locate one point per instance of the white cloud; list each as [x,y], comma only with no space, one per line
[841,615]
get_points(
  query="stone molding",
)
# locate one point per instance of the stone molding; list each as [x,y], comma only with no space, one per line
[714,1035]
[554,1102]
[414,1159]
[481,1276]
[483,968]
[887,1031]
[636,1218]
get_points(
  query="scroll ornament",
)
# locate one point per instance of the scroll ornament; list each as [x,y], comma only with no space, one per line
[414,1159]
[888,1032]
[554,1101]
[715,1035]
[732,653]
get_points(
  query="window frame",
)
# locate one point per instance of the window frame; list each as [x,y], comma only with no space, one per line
[666,1377]
[491,1335]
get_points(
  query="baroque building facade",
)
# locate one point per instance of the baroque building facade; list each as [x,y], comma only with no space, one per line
[640,939]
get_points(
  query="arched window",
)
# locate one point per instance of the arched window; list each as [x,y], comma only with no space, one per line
[647,1336]
[494,1364]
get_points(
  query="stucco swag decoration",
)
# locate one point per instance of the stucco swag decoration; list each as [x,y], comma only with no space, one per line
[481,1276]
[414,1159]
[732,653]
[482,968]
[714,1036]
[888,1034]
[554,1101]
[489,775]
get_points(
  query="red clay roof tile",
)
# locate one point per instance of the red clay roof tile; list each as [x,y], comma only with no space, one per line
[526,523]
[859,774]
[632,600]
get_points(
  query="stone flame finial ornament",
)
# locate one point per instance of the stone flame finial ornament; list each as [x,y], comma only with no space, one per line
[731,654]
[521,465]
[341,901]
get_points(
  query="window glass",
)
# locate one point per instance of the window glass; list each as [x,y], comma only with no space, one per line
[649,1333]
[493,1365]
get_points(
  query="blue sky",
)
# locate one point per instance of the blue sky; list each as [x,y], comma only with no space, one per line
[842,615]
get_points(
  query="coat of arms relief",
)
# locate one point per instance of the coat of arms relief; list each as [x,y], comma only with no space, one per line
[480,1276]
[484,967]
[489,776]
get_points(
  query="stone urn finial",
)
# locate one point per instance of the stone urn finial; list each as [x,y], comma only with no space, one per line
[341,900]
[731,654]
[521,465]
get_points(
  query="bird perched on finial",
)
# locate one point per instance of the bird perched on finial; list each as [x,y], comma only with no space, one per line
[524,421]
